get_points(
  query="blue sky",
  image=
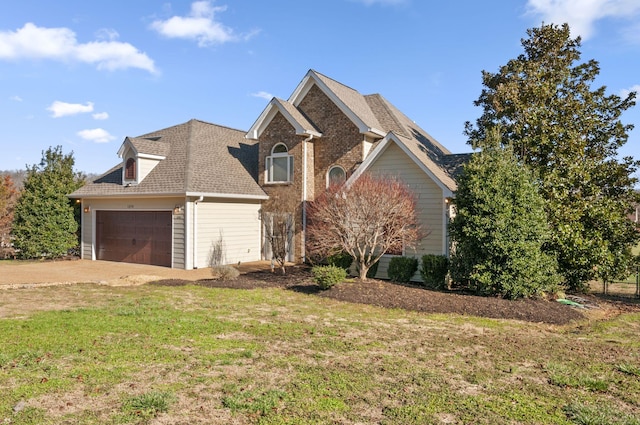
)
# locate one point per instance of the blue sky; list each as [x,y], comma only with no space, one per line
[85,74]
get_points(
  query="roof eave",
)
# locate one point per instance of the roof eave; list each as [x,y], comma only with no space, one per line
[171,195]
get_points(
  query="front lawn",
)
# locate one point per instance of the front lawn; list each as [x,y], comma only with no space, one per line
[198,355]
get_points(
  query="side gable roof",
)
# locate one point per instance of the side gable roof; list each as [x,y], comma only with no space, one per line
[292,114]
[202,159]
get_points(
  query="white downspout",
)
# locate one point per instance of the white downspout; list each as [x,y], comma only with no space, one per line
[303,249]
[195,231]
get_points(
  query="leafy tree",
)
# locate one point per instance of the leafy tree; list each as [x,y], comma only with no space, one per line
[8,199]
[372,216]
[500,228]
[45,222]
[569,135]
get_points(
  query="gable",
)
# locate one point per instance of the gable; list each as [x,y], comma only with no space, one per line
[352,104]
[416,157]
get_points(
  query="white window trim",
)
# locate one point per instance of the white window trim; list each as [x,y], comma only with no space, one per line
[269,165]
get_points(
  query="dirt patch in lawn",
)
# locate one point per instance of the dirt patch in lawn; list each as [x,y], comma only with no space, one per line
[414,298]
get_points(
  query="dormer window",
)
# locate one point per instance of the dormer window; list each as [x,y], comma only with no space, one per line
[336,176]
[279,167]
[130,169]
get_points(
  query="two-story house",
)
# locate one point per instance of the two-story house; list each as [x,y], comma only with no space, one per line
[180,191]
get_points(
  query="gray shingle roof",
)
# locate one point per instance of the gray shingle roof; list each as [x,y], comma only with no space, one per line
[150,146]
[438,159]
[378,113]
[200,158]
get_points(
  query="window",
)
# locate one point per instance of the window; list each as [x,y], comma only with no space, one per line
[336,175]
[279,165]
[130,169]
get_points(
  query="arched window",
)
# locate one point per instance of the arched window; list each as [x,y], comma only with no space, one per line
[279,165]
[130,169]
[336,175]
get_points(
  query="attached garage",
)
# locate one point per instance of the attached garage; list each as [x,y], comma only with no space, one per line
[142,237]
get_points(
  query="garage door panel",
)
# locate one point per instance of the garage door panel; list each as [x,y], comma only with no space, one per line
[134,236]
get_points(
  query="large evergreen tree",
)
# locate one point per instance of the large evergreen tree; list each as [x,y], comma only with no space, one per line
[500,228]
[569,135]
[44,218]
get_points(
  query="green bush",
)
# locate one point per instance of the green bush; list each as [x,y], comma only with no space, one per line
[341,259]
[402,269]
[327,276]
[500,229]
[434,270]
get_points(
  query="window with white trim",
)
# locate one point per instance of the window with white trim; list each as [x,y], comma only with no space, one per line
[279,166]
[336,175]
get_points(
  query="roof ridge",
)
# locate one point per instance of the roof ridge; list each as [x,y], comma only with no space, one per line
[335,81]
[218,125]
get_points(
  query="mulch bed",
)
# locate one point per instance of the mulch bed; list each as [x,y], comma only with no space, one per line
[408,297]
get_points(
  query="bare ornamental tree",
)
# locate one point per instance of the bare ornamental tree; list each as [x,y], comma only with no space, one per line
[372,216]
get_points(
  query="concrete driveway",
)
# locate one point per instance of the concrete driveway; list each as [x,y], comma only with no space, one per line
[19,274]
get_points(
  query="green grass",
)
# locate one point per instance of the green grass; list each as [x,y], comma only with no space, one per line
[197,355]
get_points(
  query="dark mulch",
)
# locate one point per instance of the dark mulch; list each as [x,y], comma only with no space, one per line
[407,297]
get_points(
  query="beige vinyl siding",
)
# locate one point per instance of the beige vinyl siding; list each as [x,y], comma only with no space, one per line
[430,202]
[86,223]
[236,223]
[178,259]
[145,167]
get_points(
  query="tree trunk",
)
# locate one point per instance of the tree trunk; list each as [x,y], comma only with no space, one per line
[363,271]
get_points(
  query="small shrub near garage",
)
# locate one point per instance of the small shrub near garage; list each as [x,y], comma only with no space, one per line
[402,269]
[327,276]
[434,271]
[224,272]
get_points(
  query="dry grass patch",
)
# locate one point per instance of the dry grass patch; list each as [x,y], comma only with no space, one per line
[197,355]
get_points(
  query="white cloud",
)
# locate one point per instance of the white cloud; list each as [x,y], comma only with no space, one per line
[97,135]
[62,109]
[16,98]
[581,15]
[263,95]
[33,42]
[100,116]
[625,92]
[200,25]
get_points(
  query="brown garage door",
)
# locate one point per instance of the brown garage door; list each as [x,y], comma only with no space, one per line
[134,237]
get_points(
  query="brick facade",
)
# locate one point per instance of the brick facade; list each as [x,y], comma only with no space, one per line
[341,144]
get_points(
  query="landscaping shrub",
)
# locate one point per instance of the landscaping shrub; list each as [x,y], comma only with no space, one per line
[341,259]
[402,269]
[327,276]
[224,272]
[434,270]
